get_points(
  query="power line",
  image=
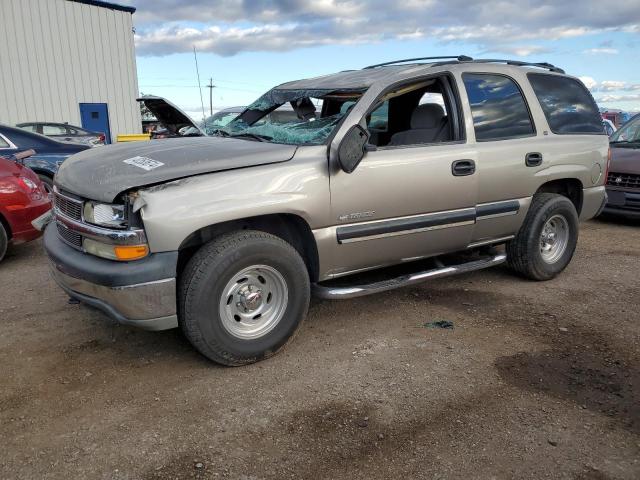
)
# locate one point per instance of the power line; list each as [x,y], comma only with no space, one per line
[196,86]
[199,88]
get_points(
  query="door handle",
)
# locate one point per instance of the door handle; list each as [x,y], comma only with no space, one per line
[462,168]
[533,159]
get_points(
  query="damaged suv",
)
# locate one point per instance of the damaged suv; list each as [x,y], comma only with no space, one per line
[427,166]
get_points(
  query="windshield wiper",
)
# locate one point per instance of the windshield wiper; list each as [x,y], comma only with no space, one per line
[255,136]
[624,142]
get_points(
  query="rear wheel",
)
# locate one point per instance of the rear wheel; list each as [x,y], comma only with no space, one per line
[47,181]
[547,239]
[4,241]
[243,296]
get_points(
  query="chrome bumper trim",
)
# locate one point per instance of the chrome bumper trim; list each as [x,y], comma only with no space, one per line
[151,305]
[104,235]
[334,293]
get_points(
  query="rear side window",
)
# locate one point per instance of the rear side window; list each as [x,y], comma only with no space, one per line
[29,128]
[498,107]
[567,104]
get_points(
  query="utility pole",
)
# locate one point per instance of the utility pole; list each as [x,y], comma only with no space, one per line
[211,86]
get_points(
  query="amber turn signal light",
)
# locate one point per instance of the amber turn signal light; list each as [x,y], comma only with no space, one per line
[131,252]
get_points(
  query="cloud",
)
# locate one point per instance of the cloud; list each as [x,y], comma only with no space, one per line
[619,98]
[601,51]
[589,82]
[227,27]
[609,86]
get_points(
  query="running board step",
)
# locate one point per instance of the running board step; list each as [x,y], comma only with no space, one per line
[353,291]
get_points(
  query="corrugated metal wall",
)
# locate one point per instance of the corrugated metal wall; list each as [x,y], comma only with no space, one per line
[55,54]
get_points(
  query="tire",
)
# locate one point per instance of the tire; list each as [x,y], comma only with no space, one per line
[534,252]
[226,279]
[4,241]
[48,182]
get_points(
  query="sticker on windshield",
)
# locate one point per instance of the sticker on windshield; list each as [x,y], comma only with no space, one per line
[145,163]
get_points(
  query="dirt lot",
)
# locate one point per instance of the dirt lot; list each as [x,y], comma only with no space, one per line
[536,380]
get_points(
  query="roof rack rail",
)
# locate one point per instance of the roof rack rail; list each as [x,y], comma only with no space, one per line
[460,58]
[465,59]
[545,65]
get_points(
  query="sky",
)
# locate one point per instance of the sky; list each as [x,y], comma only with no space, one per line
[249,46]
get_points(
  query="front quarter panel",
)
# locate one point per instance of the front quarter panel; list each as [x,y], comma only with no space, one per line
[173,211]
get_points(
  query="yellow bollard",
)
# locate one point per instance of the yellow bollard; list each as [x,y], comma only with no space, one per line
[134,137]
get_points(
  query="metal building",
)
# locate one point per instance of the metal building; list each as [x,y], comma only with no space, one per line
[69,61]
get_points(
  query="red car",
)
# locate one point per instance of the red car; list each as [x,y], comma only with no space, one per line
[23,200]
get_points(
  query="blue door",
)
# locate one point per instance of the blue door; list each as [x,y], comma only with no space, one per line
[95,117]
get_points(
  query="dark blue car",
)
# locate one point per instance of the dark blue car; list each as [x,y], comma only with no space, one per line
[49,153]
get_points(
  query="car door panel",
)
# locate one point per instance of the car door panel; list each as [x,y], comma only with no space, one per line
[401,204]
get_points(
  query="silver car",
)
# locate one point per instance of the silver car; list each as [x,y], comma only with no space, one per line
[64,132]
[433,167]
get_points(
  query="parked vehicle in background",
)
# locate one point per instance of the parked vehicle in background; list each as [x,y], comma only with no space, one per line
[623,180]
[23,202]
[176,123]
[49,153]
[423,166]
[221,119]
[64,132]
[615,117]
[609,127]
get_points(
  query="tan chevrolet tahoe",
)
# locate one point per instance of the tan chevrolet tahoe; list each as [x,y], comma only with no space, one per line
[408,171]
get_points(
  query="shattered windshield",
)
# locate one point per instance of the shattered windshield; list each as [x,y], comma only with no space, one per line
[293,117]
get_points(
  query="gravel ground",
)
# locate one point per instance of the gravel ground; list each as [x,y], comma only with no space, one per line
[535,380]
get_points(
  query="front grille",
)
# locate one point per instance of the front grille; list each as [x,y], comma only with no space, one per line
[72,238]
[68,206]
[623,180]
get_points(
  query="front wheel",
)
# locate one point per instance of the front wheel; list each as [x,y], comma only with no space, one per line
[243,296]
[4,241]
[547,239]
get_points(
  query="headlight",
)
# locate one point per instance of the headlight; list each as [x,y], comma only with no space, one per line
[29,183]
[105,215]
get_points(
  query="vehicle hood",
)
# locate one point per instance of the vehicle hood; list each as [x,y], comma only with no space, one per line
[168,114]
[102,173]
[625,160]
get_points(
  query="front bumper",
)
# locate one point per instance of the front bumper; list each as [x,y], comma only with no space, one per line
[622,202]
[20,221]
[140,293]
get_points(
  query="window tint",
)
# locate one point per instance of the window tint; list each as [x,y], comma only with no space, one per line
[498,107]
[566,103]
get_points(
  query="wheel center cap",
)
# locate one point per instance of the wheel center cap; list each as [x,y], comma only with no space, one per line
[250,299]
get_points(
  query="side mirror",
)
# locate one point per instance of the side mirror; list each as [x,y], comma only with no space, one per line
[20,156]
[352,148]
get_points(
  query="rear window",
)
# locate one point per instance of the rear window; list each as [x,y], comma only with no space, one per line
[498,107]
[567,104]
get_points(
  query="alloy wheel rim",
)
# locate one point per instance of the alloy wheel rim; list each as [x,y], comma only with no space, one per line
[253,302]
[554,238]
